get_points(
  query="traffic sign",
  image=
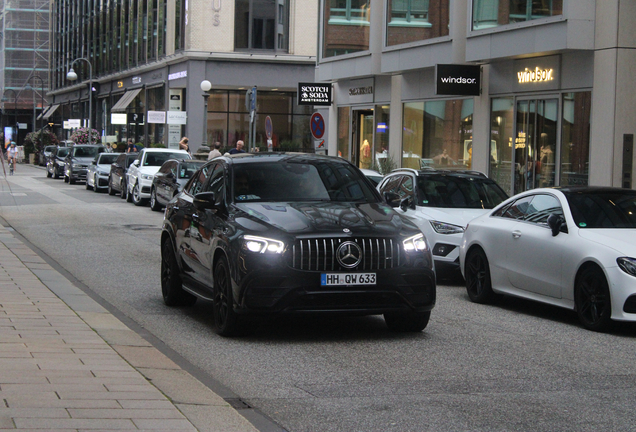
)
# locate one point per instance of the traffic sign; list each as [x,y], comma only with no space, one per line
[317,125]
[269,128]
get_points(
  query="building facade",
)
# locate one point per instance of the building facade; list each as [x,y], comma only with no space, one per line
[24,65]
[555,105]
[148,59]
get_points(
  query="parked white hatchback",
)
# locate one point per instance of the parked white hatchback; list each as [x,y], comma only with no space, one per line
[143,169]
[569,247]
[441,202]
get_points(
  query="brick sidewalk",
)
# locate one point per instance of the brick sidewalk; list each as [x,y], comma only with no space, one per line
[66,364]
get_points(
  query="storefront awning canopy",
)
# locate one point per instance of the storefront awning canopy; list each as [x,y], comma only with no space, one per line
[48,112]
[125,100]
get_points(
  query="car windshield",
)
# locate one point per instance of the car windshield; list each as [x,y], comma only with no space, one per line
[86,151]
[49,148]
[62,151]
[454,191]
[107,158]
[300,180]
[603,209]
[187,169]
[158,158]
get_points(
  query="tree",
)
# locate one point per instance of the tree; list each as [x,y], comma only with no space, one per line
[80,136]
[36,141]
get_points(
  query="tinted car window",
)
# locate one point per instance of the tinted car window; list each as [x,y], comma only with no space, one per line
[198,181]
[406,188]
[167,167]
[451,191]
[603,209]
[391,184]
[187,169]
[518,209]
[301,181]
[217,181]
[158,158]
[86,151]
[62,151]
[130,159]
[541,207]
[107,158]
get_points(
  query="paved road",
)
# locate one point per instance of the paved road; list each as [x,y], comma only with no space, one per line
[515,366]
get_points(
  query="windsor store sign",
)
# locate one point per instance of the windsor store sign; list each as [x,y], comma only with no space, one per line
[537,74]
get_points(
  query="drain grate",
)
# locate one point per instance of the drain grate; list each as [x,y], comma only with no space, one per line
[237,403]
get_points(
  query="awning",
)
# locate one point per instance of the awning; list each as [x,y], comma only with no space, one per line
[125,100]
[48,112]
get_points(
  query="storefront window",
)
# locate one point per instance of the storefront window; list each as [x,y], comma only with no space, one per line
[438,134]
[493,13]
[501,137]
[343,132]
[346,27]
[383,162]
[156,102]
[416,20]
[575,138]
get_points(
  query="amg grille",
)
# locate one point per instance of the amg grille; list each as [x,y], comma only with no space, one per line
[320,254]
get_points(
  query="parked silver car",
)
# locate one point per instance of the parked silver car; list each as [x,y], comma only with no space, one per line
[99,170]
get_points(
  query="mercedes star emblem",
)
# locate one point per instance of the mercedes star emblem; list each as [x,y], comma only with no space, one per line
[349,254]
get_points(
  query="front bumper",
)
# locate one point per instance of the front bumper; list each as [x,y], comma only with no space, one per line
[102,180]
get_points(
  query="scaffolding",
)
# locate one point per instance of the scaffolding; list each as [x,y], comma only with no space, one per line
[24,54]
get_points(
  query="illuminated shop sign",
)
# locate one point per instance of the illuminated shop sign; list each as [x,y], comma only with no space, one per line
[458,80]
[535,75]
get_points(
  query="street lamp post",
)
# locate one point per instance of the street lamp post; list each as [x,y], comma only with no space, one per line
[205,87]
[72,76]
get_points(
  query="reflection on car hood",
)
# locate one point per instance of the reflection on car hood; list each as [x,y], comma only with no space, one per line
[148,169]
[376,219]
[455,216]
[621,240]
[83,160]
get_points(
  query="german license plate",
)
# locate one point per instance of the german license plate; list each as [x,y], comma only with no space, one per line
[335,279]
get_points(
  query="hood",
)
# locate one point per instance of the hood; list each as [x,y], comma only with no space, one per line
[455,216]
[149,169]
[623,241]
[83,160]
[362,219]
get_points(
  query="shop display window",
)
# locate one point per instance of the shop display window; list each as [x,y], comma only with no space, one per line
[438,134]
[575,138]
[416,20]
[494,13]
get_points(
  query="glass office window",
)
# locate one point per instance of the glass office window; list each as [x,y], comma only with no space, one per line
[343,132]
[416,20]
[346,27]
[438,134]
[575,138]
[501,138]
[493,13]
[261,25]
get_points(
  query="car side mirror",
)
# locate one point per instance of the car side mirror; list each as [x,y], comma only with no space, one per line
[407,203]
[94,163]
[204,201]
[556,224]
[392,199]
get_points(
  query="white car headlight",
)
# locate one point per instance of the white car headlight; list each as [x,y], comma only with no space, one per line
[446,228]
[628,265]
[417,243]
[261,244]
[147,176]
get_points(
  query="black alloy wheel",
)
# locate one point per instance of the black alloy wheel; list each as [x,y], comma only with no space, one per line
[95,180]
[56,173]
[407,322]
[154,205]
[227,322]
[111,191]
[129,196]
[124,190]
[171,284]
[66,179]
[136,195]
[88,187]
[592,300]
[477,272]
[48,173]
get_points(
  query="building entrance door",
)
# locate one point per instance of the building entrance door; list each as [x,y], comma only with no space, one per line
[362,139]
[537,125]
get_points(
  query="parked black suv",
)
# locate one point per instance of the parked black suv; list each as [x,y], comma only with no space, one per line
[78,159]
[288,233]
[117,177]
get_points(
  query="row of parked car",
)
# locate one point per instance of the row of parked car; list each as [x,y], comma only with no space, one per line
[278,233]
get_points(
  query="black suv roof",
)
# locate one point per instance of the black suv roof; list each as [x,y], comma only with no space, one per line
[441,171]
[240,158]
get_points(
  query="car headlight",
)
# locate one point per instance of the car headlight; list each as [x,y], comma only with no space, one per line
[417,243]
[628,265]
[261,244]
[147,176]
[446,228]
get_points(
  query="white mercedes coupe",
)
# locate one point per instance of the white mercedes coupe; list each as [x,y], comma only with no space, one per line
[573,247]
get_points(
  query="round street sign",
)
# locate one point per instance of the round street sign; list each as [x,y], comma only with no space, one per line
[269,128]
[317,125]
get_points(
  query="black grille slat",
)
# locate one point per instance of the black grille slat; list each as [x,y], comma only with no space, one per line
[320,254]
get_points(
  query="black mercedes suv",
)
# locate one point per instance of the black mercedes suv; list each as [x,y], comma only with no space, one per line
[293,233]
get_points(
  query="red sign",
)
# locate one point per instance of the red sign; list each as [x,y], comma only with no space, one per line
[317,126]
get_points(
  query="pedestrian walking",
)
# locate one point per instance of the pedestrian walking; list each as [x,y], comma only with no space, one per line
[216,151]
[239,148]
